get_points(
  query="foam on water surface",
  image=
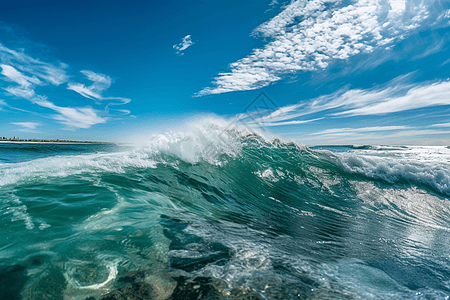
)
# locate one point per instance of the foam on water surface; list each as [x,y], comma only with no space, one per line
[222,213]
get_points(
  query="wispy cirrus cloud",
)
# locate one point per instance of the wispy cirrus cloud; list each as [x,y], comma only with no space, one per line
[19,78]
[100,83]
[82,117]
[396,96]
[441,125]
[375,135]
[295,122]
[48,73]
[308,35]
[186,42]
[27,126]
[24,85]
[365,134]
[273,3]
[23,74]
[73,117]
[349,131]
[425,95]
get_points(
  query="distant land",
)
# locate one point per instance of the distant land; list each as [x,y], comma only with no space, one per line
[19,140]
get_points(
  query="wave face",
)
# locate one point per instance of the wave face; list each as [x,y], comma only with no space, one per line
[224,214]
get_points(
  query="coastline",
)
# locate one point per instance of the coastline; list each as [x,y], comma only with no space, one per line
[53,142]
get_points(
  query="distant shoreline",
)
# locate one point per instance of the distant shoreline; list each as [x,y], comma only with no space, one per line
[50,142]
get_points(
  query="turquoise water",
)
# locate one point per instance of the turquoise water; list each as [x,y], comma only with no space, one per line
[253,219]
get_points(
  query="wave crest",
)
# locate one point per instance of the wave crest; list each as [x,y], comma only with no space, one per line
[424,165]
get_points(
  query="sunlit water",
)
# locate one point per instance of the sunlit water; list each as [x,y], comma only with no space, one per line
[192,216]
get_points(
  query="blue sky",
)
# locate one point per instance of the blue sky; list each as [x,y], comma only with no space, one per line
[338,72]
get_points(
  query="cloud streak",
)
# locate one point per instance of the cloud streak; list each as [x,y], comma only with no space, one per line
[308,35]
[371,136]
[100,83]
[296,122]
[83,117]
[441,125]
[24,73]
[28,125]
[48,73]
[349,131]
[18,77]
[25,83]
[186,42]
[376,135]
[434,94]
[396,97]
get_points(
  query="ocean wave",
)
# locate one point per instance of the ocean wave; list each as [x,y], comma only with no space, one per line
[214,141]
[63,166]
[377,147]
[204,140]
[229,213]
[418,165]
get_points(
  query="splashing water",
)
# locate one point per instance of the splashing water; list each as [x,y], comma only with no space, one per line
[255,218]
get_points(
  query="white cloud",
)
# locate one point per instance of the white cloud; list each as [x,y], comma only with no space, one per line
[434,94]
[397,7]
[49,73]
[185,43]
[84,91]
[409,133]
[295,122]
[29,125]
[72,117]
[308,35]
[83,117]
[26,83]
[396,97]
[124,111]
[100,83]
[99,79]
[25,73]
[401,137]
[20,92]
[94,91]
[272,5]
[441,125]
[345,131]
[18,77]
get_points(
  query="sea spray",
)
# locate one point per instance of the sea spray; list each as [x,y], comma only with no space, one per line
[253,218]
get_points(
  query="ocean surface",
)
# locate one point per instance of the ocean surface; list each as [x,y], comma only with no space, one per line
[223,214]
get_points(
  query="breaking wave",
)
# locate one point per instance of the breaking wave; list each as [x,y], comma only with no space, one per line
[217,212]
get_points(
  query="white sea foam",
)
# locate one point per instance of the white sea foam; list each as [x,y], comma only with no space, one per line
[203,140]
[83,290]
[208,138]
[62,166]
[112,275]
[425,165]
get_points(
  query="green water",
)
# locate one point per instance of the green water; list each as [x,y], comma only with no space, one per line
[257,220]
